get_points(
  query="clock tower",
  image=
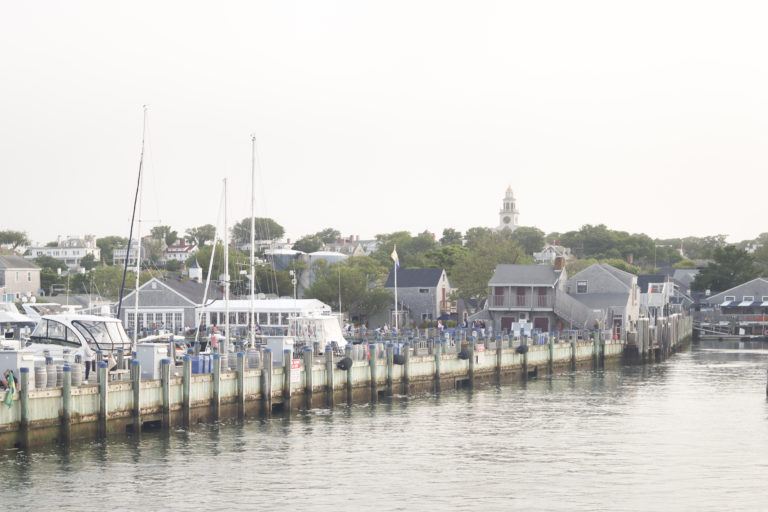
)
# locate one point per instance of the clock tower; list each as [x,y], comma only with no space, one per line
[509,212]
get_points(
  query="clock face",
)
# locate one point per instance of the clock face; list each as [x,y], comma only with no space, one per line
[506,220]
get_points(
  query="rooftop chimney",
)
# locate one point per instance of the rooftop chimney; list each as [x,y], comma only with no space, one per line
[559,263]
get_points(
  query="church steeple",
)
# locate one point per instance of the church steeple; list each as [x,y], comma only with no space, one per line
[508,215]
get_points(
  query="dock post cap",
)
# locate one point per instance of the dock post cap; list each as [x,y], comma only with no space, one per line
[120,351]
[306,349]
[24,370]
[390,345]
[287,351]
[67,368]
[165,361]
[217,356]
[328,347]
[134,362]
[241,354]
[407,344]
[186,358]
[102,364]
[372,345]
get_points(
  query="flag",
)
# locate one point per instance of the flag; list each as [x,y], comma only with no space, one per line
[11,389]
[394,257]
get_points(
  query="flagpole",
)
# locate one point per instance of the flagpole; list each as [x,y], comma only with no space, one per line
[395,263]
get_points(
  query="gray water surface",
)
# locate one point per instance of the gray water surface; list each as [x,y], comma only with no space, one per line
[687,434]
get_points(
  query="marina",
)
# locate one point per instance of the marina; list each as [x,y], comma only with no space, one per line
[361,373]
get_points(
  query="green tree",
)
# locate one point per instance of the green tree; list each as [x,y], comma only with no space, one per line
[165,234]
[88,261]
[445,257]
[530,239]
[687,263]
[354,281]
[476,235]
[451,237]
[49,278]
[411,250]
[50,262]
[13,238]
[308,243]
[328,235]
[107,245]
[106,280]
[201,234]
[731,267]
[154,250]
[52,244]
[474,268]
[265,229]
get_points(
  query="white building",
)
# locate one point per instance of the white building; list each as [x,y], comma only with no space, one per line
[118,254]
[71,251]
[180,252]
[508,215]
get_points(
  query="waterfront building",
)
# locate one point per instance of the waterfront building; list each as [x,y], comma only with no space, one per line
[550,252]
[612,292]
[423,292]
[18,278]
[166,301]
[70,251]
[745,306]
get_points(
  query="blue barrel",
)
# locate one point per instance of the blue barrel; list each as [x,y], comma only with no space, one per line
[197,364]
[208,363]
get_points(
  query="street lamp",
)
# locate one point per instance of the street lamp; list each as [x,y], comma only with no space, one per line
[293,282]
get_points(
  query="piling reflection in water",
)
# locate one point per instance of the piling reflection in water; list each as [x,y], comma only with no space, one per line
[688,433]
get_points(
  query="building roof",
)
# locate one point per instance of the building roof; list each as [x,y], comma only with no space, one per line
[602,301]
[524,275]
[190,290]
[415,277]
[754,287]
[9,261]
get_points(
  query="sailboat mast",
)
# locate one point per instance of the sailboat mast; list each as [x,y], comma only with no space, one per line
[138,236]
[253,237]
[226,268]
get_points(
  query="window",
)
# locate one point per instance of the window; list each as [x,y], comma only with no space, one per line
[729,298]
[426,316]
[177,320]
[581,287]
[765,298]
[130,321]
[29,276]
[656,288]
[423,290]
[748,298]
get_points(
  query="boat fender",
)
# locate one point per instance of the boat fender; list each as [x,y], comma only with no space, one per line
[398,359]
[464,354]
[522,349]
[344,364]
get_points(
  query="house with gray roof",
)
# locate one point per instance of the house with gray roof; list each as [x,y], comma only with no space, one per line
[166,302]
[612,294]
[525,294]
[18,278]
[421,291]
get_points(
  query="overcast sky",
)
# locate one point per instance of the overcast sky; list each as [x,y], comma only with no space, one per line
[374,117]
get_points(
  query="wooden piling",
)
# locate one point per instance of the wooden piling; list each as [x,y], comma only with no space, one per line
[406,367]
[472,362]
[136,378]
[499,357]
[287,360]
[524,343]
[66,399]
[437,366]
[595,351]
[308,375]
[24,399]
[165,376]
[573,351]
[103,398]
[329,384]
[551,360]
[240,373]
[216,387]
[348,353]
[372,354]
[390,366]
[186,383]
[266,381]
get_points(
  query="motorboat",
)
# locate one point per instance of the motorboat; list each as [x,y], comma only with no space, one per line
[14,327]
[80,334]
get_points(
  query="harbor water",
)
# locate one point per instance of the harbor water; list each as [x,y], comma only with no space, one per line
[690,433]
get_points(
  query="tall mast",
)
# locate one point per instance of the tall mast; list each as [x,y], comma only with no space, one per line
[253,236]
[226,268]
[138,236]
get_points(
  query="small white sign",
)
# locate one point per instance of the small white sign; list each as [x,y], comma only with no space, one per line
[295,369]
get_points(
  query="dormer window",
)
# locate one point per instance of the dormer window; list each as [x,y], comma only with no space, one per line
[581,287]
[748,298]
[730,298]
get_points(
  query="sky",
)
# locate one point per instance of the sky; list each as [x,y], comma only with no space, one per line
[374,117]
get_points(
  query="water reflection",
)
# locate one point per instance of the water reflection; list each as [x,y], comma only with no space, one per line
[693,429]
